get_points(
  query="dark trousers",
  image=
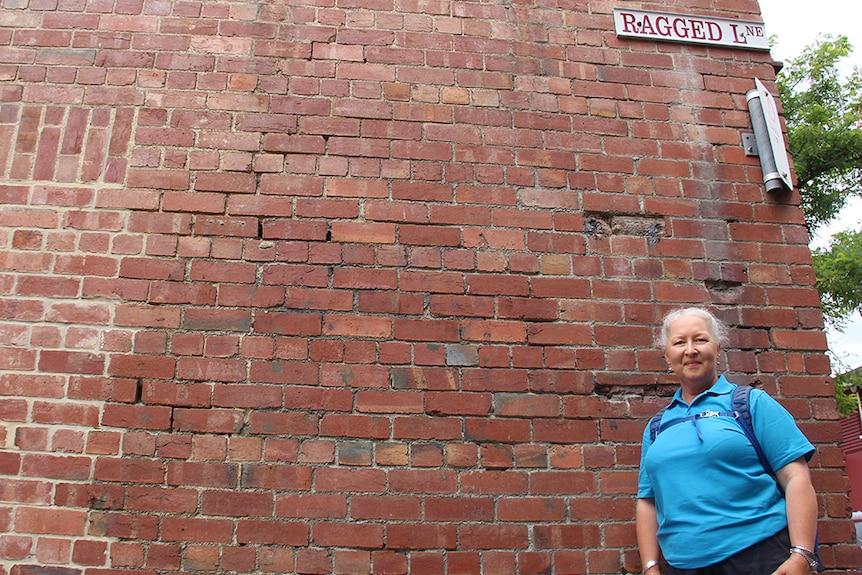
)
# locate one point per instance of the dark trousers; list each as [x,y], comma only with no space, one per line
[760,559]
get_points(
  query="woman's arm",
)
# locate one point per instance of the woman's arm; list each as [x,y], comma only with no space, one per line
[647,532]
[801,501]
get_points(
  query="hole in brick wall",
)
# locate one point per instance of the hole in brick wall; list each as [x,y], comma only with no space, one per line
[607,224]
[622,392]
[259,229]
[598,225]
[139,390]
[651,228]
[722,286]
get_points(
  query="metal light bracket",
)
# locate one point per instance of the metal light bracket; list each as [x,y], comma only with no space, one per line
[749,144]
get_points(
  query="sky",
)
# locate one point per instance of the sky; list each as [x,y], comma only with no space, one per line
[797,24]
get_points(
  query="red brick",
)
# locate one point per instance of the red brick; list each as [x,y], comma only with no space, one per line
[359,426]
[421,536]
[566,536]
[505,431]
[356,535]
[137,416]
[311,505]
[129,470]
[196,529]
[141,366]
[350,480]
[64,413]
[211,369]
[299,373]
[236,504]
[427,428]
[425,330]
[357,326]
[518,405]
[357,278]
[252,396]
[280,477]
[388,302]
[187,473]
[159,499]
[52,521]
[207,420]
[363,232]
[260,532]
[493,537]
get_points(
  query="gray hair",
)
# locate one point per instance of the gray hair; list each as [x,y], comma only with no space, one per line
[716,327]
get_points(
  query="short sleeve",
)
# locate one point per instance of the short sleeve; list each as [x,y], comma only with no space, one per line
[777,432]
[645,490]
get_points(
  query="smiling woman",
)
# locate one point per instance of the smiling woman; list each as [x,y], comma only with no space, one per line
[732,519]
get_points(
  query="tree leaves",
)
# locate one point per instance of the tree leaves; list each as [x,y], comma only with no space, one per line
[823,113]
[839,274]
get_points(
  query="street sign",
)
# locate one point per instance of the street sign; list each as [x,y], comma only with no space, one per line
[668,27]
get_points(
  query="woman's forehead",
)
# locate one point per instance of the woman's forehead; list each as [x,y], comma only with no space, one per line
[689,323]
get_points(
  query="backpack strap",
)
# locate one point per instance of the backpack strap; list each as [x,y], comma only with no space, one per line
[741,406]
[655,423]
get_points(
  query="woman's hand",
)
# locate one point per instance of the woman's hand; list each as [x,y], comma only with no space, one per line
[647,529]
[794,565]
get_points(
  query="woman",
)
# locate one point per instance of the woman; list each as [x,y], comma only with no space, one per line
[705,502]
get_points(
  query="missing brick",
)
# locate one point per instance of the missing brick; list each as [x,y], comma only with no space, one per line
[607,224]
[722,286]
[597,225]
[653,229]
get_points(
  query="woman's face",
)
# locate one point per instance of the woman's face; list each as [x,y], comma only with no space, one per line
[692,351]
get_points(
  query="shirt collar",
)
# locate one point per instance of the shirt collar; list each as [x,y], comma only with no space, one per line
[720,387]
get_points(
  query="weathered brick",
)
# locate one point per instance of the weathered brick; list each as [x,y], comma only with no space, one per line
[207,420]
[137,416]
[196,529]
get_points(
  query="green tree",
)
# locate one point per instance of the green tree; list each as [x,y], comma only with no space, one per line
[823,112]
[839,275]
[847,388]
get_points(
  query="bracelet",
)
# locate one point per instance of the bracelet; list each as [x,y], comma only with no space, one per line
[649,565]
[808,554]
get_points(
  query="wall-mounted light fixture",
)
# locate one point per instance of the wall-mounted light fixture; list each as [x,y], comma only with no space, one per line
[768,140]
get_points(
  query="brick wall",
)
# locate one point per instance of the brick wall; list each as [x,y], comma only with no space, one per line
[363,286]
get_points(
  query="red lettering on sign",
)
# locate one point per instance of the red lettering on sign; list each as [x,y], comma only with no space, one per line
[689,28]
[754,31]
[662,26]
[737,38]
[646,26]
[629,22]
[714,31]
[680,27]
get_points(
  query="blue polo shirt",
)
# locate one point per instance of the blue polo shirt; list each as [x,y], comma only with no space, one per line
[712,495]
